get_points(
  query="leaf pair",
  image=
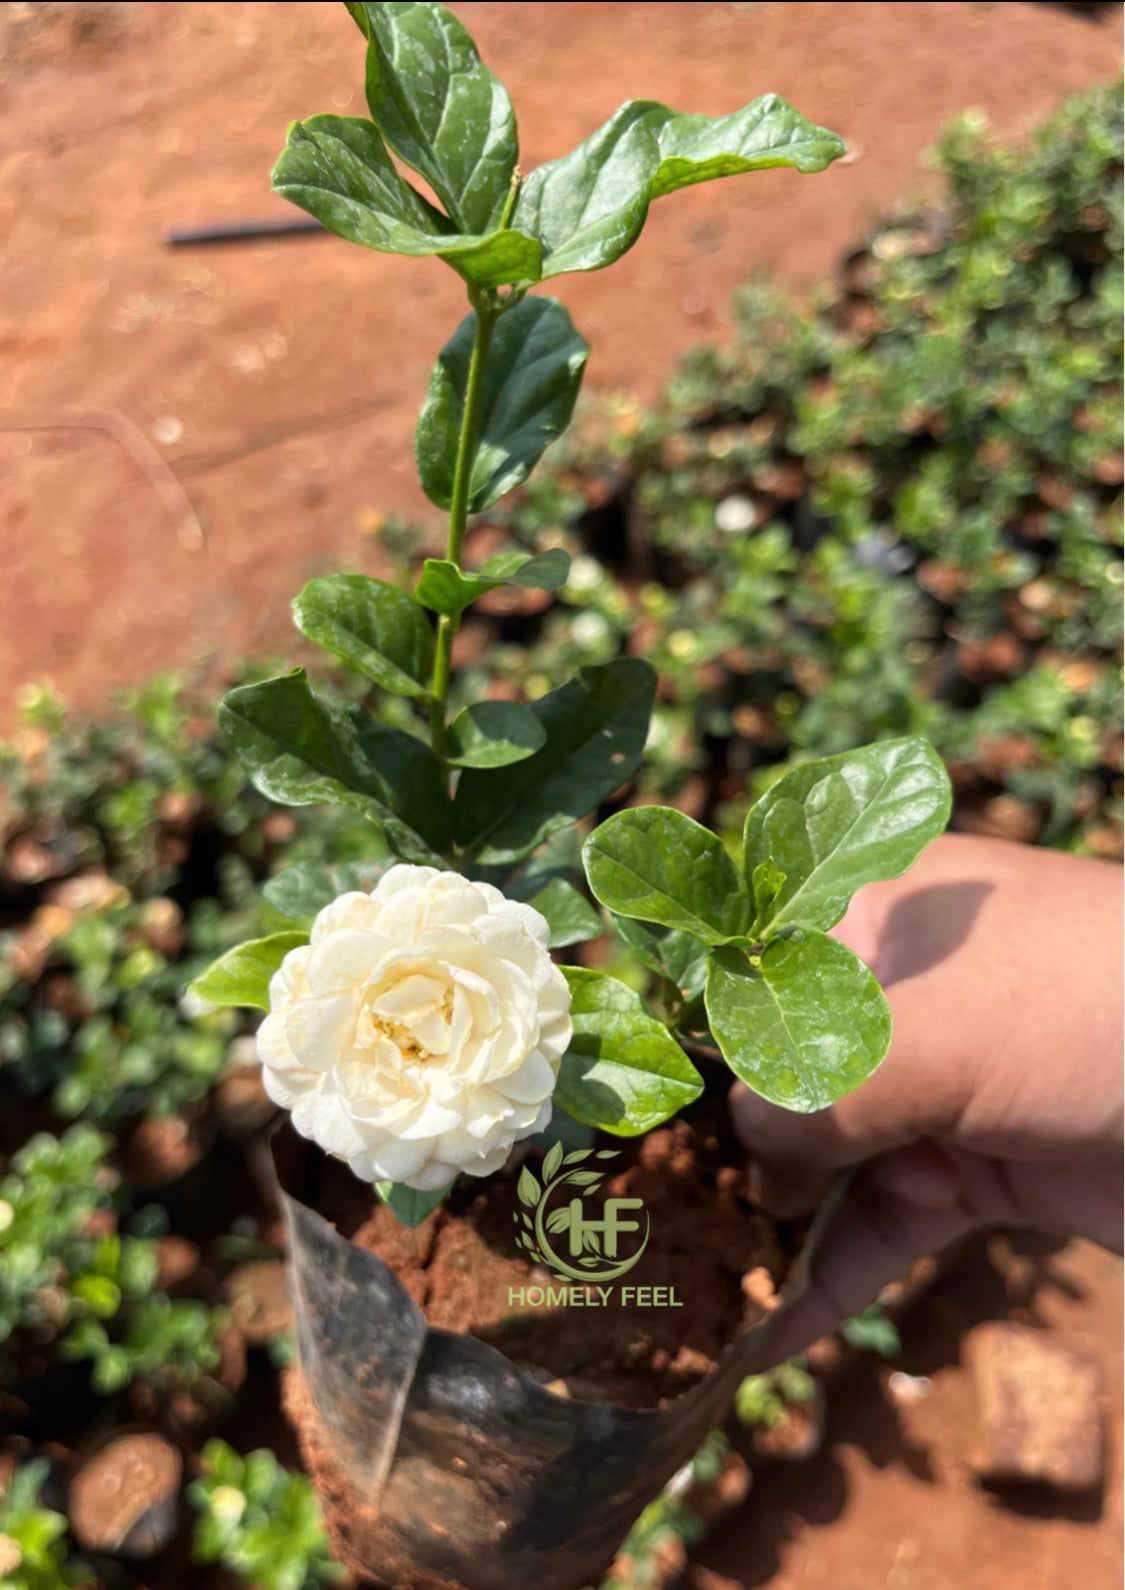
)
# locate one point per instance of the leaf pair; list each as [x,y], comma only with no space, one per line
[528,770]
[385,635]
[594,730]
[796,1014]
[435,105]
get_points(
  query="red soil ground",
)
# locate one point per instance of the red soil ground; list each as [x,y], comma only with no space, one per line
[281,382]
[890,1502]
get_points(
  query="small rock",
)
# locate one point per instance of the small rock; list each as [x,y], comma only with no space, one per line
[123,1496]
[259,1303]
[240,1102]
[162,926]
[760,1291]
[797,1438]
[909,1388]
[87,891]
[160,1151]
[177,1260]
[1040,1401]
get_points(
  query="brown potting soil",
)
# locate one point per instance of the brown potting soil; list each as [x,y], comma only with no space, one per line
[465,1270]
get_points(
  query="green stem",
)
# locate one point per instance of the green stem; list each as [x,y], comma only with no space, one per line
[487,313]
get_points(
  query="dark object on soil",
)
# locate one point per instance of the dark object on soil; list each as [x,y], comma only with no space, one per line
[441,1465]
[240,232]
[122,1496]
[1041,1409]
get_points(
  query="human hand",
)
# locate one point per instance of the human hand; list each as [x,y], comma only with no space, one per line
[1001,1097]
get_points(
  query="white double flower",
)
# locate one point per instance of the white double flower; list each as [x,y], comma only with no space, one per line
[419,1032]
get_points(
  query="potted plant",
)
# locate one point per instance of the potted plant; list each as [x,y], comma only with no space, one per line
[542,1317]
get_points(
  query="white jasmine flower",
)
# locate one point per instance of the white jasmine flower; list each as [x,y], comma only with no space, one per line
[419,1032]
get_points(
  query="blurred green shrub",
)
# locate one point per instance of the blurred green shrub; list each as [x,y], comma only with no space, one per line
[261,1521]
[33,1555]
[69,1279]
[897,512]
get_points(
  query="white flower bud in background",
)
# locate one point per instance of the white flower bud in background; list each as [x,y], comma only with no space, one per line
[736,514]
[419,1032]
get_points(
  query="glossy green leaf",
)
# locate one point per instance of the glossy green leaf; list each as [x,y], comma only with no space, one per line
[560,856]
[493,734]
[596,727]
[656,865]
[588,208]
[444,588]
[242,975]
[373,626]
[766,883]
[301,891]
[676,956]
[440,108]
[409,1206]
[338,169]
[804,1026]
[301,752]
[833,825]
[623,1071]
[570,917]
[531,382]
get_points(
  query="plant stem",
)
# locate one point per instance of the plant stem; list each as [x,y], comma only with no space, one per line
[487,313]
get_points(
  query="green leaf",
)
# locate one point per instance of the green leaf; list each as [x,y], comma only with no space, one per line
[444,588]
[656,865]
[493,734]
[531,381]
[371,625]
[596,727]
[409,1206]
[101,1295]
[338,169]
[440,108]
[588,208]
[242,975]
[766,883]
[301,752]
[803,1026]
[833,825]
[873,1331]
[679,957]
[301,891]
[623,1072]
[572,919]
[559,857]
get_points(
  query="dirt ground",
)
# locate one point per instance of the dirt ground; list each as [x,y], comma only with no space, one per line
[281,379]
[890,1502]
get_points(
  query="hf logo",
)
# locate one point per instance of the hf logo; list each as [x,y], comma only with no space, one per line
[565,1228]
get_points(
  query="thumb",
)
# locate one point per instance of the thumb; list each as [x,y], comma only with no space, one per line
[898,1209]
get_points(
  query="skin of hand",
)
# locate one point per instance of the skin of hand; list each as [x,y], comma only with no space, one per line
[1001,1098]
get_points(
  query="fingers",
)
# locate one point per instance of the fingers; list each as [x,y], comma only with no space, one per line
[899,1209]
[916,1093]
